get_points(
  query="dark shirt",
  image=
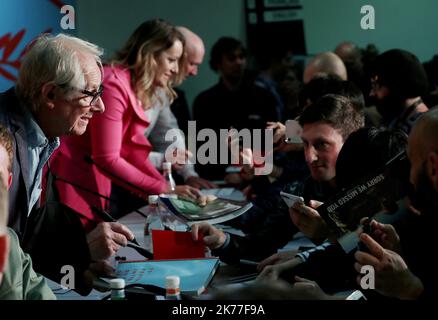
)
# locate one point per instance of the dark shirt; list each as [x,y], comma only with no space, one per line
[219,108]
[180,109]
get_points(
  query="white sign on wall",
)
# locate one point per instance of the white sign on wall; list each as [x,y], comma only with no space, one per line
[282,15]
[281,3]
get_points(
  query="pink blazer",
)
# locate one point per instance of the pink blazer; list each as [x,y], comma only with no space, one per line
[116,141]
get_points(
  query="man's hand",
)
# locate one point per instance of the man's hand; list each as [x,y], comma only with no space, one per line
[106,239]
[308,220]
[385,235]
[277,258]
[213,237]
[279,138]
[279,131]
[199,183]
[273,272]
[304,289]
[393,278]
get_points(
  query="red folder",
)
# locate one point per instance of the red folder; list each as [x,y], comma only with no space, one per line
[176,245]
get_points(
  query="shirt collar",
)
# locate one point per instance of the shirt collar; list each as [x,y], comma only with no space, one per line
[35,135]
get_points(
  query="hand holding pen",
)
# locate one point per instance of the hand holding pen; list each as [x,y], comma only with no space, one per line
[107,238]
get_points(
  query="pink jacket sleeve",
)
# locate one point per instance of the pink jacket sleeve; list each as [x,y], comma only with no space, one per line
[109,144]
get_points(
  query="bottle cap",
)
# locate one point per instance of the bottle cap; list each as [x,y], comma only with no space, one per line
[117,283]
[153,199]
[167,165]
[172,282]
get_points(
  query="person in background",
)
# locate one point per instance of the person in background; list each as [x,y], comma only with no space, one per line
[234,102]
[195,51]
[18,280]
[401,257]
[398,81]
[162,118]
[323,64]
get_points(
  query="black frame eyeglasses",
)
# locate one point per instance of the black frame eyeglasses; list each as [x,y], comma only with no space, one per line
[96,95]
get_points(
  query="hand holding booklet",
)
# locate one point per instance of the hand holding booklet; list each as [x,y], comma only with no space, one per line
[375,193]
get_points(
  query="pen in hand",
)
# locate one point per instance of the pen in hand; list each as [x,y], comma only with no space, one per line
[105,216]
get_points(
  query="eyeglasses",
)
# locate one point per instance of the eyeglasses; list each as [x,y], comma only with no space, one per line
[95,95]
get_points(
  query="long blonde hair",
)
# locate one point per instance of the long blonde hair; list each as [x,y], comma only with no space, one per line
[139,55]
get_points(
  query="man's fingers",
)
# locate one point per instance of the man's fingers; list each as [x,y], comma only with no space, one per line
[305,210]
[295,216]
[375,248]
[299,279]
[364,220]
[357,267]
[195,230]
[271,125]
[201,228]
[119,239]
[315,204]
[122,229]
[194,192]
[365,258]
[268,261]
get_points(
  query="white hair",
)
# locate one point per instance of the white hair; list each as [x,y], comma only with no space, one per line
[53,59]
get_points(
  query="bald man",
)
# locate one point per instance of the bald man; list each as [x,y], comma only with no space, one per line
[423,155]
[351,55]
[410,275]
[326,63]
[195,52]
[348,52]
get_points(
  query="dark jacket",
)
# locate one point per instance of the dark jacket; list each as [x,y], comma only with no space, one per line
[12,117]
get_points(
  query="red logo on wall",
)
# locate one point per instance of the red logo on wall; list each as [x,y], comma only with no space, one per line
[9,44]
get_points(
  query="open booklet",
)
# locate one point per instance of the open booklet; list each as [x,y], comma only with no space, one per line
[195,274]
[375,193]
[216,211]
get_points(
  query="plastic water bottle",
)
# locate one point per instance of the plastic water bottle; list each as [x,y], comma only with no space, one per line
[154,219]
[167,174]
[172,288]
[117,289]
